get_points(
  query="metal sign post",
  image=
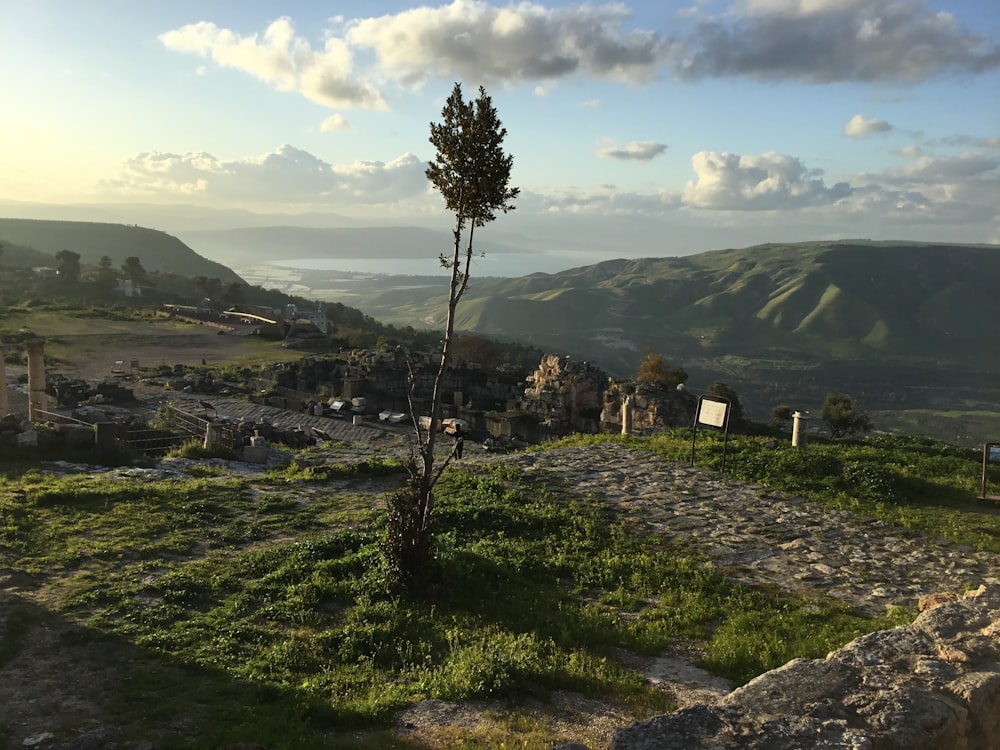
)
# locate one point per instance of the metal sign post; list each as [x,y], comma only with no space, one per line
[712,411]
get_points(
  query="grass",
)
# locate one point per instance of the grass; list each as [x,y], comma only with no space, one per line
[921,484]
[232,593]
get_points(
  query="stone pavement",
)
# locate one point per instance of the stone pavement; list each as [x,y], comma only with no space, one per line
[761,536]
[369,432]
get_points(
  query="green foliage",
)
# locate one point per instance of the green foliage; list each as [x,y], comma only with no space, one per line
[195,448]
[409,538]
[300,471]
[781,417]
[288,604]
[69,267]
[656,370]
[842,416]
[470,168]
[724,390]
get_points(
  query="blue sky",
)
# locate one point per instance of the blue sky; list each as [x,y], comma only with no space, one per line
[674,126]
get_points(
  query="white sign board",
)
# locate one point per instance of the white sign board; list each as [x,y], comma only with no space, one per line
[712,413]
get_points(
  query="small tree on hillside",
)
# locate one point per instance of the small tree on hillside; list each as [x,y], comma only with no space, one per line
[133,271]
[842,416]
[781,416]
[105,277]
[724,390]
[656,370]
[472,173]
[69,267]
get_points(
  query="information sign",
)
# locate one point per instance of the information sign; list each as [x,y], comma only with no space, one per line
[712,413]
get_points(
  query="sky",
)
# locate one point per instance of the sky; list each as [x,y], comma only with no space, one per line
[637,128]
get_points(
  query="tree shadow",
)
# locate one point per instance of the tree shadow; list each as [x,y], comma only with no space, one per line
[65,685]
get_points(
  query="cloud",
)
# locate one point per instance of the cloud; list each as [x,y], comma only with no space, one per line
[286,176]
[473,40]
[282,59]
[824,41]
[818,41]
[634,151]
[961,189]
[590,104]
[603,200]
[334,123]
[769,181]
[860,126]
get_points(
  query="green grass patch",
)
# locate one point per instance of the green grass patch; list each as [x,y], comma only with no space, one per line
[270,598]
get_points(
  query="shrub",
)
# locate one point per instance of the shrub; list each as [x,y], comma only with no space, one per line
[873,481]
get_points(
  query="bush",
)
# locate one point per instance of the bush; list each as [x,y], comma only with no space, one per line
[873,481]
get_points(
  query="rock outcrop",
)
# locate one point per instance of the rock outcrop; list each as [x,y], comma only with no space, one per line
[931,685]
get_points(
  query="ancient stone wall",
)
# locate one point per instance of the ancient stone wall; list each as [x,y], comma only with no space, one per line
[932,685]
[653,409]
[565,394]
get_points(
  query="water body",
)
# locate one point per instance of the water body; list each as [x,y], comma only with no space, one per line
[496,264]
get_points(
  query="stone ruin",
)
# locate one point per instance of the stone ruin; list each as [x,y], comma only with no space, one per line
[566,395]
[931,685]
[651,408]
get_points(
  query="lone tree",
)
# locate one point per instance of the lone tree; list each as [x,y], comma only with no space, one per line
[472,173]
[69,267]
[842,416]
[781,416]
[656,370]
[726,391]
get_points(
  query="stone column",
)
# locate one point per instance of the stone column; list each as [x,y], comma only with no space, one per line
[105,434]
[799,429]
[37,400]
[4,399]
[213,435]
[627,416]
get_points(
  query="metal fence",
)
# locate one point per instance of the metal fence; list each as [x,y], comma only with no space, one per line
[179,426]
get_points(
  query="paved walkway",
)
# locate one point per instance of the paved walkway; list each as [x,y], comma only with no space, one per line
[764,536]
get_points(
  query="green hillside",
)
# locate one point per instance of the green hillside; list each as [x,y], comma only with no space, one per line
[904,327]
[848,299]
[157,251]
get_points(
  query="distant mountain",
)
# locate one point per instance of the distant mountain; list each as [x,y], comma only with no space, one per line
[157,251]
[248,245]
[845,299]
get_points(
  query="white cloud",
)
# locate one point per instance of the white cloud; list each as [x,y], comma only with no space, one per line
[819,41]
[334,123]
[860,126]
[282,59]
[832,40]
[287,176]
[476,41]
[590,104]
[959,190]
[634,151]
[768,181]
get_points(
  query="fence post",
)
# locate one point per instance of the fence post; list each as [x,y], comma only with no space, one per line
[37,399]
[104,439]
[213,435]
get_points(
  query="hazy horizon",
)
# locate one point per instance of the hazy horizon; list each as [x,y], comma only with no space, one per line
[638,129]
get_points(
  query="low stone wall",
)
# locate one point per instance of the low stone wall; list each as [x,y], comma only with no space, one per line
[932,685]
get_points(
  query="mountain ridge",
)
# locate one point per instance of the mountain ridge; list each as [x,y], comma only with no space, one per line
[852,298]
[155,249]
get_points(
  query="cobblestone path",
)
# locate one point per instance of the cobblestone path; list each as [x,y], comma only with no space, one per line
[763,536]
